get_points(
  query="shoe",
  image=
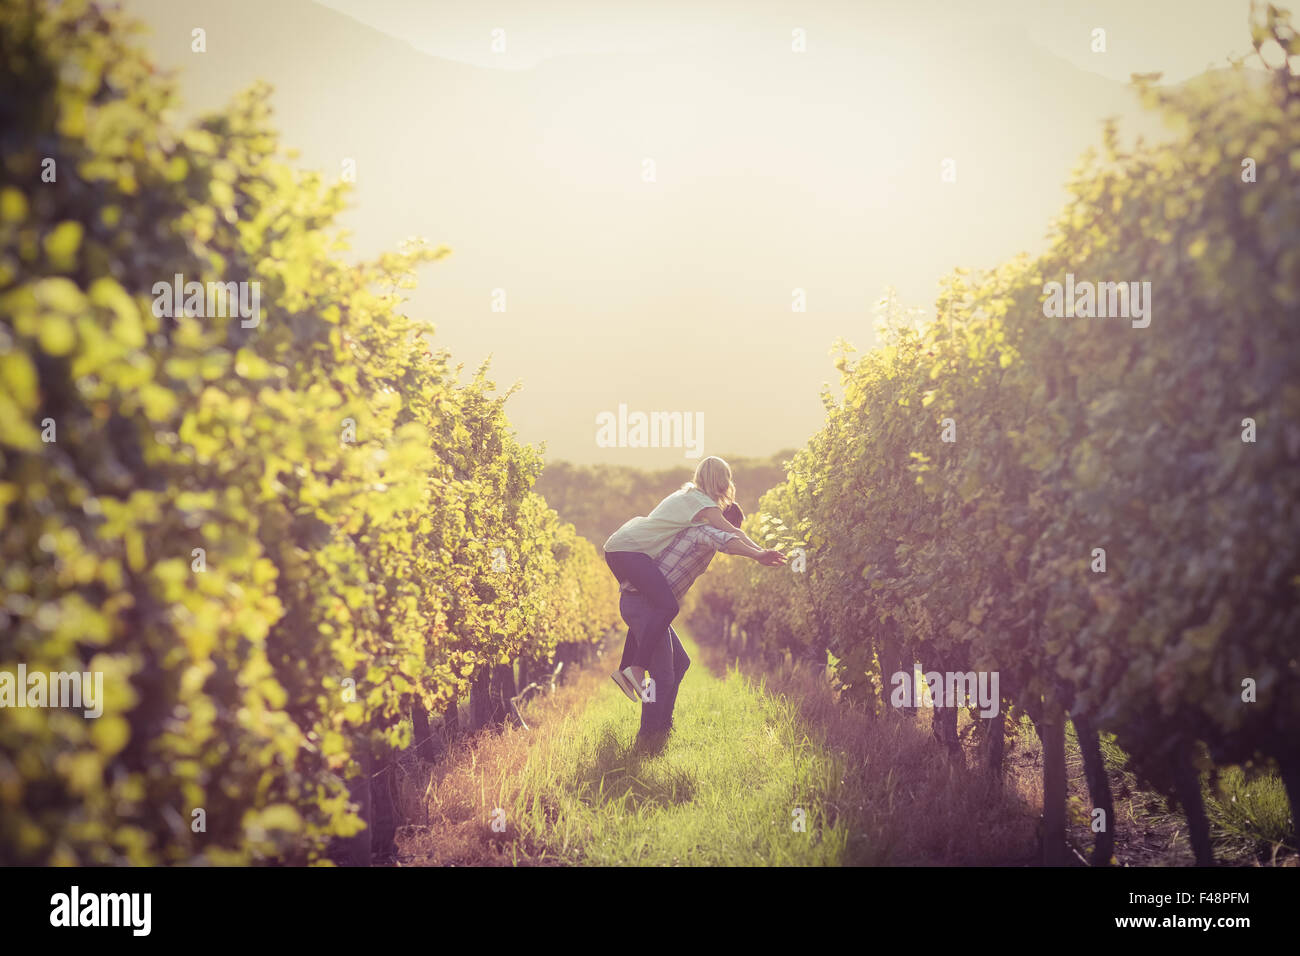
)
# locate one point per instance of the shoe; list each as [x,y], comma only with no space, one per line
[651,741]
[637,681]
[625,685]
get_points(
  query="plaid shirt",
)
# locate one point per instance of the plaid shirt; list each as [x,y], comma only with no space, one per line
[687,555]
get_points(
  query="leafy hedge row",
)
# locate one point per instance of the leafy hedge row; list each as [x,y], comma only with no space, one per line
[1073,434]
[271,540]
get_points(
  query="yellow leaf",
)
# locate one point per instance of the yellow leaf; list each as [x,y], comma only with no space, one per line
[135,558]
[110,734]
[18,375]
[61,245]
[127,327]
[13,205]
[56,335]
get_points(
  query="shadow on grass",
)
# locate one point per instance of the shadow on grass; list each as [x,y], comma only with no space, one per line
[632,776]
[902,798]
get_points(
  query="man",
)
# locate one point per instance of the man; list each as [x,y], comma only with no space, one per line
[684,560]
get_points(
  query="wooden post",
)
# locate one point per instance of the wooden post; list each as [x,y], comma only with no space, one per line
[426,746]
[1188,783]
[1051,731]
[995,745]
[948,730]
[355,850]
[1288,764]
[503,688]
[451,720]
[890,650]
[1094,768]
[383,811]
[480,703]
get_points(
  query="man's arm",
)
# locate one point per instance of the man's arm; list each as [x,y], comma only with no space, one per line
[730,541]
[741,545]
[714,517]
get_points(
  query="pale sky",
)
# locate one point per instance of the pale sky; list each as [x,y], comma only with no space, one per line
[651,184]
[1177,37]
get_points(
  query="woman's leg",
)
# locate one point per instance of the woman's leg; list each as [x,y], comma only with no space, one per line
[639,570]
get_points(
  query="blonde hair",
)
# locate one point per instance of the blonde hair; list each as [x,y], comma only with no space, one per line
[713,477]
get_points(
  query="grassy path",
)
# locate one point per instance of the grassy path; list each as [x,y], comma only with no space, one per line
[751,757]
[752,775]
[739,783]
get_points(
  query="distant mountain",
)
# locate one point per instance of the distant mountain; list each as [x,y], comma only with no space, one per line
[774,172]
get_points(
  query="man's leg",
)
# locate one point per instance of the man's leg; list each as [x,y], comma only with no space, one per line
[681,664]
[668,680]
[657,711]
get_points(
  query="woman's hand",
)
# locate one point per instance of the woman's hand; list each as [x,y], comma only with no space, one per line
[772,559]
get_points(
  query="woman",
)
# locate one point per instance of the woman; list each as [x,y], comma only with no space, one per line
[631,550]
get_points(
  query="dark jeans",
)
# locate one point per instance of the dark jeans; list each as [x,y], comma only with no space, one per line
[667,667]
[661,607]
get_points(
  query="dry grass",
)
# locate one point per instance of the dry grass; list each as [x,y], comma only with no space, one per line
[899,798]
[753,741]
[906,800]
[444,809]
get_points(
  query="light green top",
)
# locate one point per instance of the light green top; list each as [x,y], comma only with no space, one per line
[651,534]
